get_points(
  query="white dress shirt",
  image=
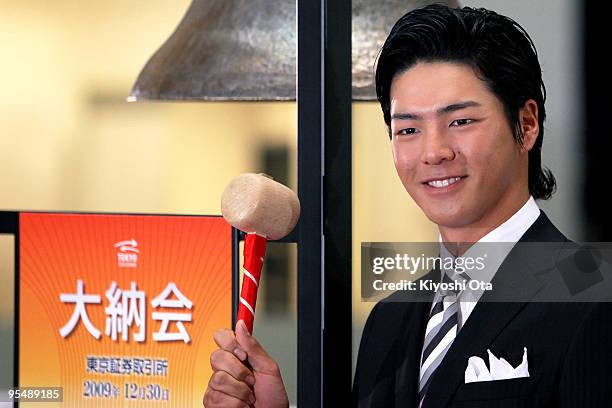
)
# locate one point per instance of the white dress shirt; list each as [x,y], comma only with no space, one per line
[504,237]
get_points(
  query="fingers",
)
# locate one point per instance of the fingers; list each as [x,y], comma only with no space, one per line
[238,362]
[224,383]
[221,360]
[230,384]
[226,340]
[259,359]
[218,399]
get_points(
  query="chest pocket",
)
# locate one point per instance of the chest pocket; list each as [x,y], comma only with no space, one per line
[515,392]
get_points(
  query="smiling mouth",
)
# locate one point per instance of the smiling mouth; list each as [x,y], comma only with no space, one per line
[443,182]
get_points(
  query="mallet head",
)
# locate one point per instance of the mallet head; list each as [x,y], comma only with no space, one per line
[254,203]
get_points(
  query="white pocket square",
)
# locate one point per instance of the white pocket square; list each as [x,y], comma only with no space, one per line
[499,369]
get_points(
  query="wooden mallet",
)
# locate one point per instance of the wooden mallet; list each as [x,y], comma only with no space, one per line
[265,210]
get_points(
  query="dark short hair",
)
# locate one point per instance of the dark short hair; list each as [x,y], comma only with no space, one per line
[498,49]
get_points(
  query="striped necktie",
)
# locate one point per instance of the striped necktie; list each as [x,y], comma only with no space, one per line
[440,332]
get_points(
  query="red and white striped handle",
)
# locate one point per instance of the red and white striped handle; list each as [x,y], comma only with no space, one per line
[254,251]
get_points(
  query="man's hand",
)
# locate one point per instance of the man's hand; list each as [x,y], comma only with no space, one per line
[233,383]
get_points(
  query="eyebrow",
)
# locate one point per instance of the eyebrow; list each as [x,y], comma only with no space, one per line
[441,111]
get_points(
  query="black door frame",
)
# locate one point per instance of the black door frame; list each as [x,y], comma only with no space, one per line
[324,188]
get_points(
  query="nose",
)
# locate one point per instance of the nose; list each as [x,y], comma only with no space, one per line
[436,148]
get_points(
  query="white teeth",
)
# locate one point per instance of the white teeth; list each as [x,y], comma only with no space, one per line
[444,183]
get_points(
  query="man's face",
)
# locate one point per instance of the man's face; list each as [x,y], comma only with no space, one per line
[453,147]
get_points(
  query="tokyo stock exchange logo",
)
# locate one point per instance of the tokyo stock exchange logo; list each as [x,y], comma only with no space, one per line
[127,253]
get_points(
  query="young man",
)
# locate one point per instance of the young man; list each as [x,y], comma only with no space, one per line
[462,95]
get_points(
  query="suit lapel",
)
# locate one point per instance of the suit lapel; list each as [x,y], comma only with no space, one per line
[391,360]
[486,321]
[407,378]
[418,305]
[515,279]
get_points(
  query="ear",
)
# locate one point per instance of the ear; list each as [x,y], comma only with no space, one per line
[528,120]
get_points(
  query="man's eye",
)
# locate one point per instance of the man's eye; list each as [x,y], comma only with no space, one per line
[407,131]
[461,122]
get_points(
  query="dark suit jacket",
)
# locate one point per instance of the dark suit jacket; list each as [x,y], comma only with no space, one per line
[569,346]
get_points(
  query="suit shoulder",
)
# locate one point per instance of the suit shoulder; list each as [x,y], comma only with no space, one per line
[543,230]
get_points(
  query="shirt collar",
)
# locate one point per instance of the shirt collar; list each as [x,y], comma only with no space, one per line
[514,227]
[500,241]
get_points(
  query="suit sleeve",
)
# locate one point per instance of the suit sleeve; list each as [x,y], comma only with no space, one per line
[361,354]
[586,378]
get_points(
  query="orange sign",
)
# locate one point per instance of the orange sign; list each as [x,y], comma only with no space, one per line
[119,310]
